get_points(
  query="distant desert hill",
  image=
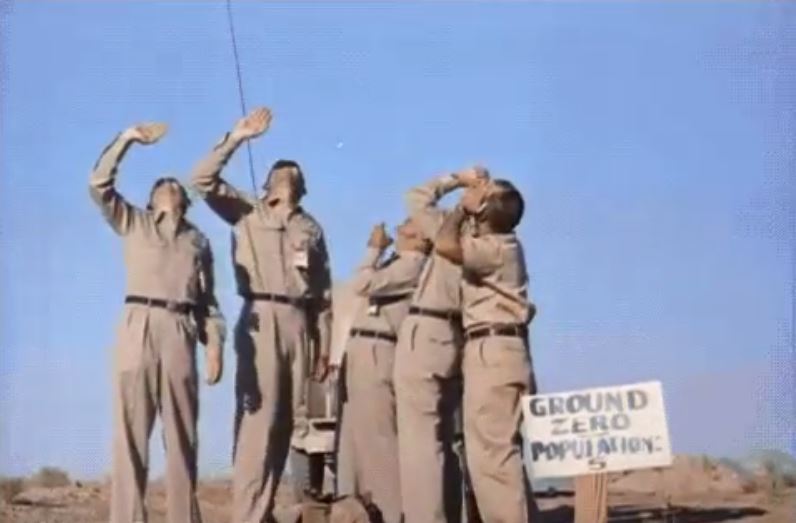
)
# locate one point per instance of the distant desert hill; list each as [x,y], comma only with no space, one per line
[693,474]
[780,462]
[688,475]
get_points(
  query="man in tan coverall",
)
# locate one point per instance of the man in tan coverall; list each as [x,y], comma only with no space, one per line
[428,358]
[370,353]
[169,305]
[497,367]
[282,273]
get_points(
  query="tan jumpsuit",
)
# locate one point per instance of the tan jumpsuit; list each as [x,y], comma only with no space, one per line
[428,356]
[155,361]
[282,272]
[497,372]
[370,406]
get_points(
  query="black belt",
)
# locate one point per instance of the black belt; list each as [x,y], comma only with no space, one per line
[516,331]
[383,301]
[173,306]
[276,298]
[362,333]
[433,313]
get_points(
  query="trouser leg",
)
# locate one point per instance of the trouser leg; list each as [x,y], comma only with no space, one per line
[496,373]
[179,411]
[134,409]
[371,403]
[427,358]
[269,340]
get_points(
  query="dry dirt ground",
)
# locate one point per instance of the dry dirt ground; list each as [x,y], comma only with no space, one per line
[88,503]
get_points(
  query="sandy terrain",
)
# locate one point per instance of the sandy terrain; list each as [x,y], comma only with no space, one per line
[89,503]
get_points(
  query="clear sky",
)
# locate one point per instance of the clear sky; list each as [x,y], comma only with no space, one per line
[654,144]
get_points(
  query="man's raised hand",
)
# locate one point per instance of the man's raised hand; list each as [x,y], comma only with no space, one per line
[146,133]
[379,239]
[473,176]
[252,125]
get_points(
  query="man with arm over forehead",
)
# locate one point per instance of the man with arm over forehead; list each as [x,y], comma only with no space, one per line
[282,272]
[170,304]
[496,366]
[369,411]
[427,367]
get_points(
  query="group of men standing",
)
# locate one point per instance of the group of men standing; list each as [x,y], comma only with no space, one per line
[442,328]
[449,308]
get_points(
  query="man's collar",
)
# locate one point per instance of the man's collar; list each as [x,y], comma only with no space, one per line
[161,215]
[282,210]
[180,223]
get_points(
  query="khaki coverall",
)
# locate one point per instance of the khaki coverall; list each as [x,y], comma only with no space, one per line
[370,354]
[155,361]
[428,355]
[282,272]
[497,372]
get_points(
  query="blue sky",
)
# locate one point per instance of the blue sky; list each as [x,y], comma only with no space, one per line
[653,142]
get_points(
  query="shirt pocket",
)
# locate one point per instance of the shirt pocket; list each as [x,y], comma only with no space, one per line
[259,251]
[299,258]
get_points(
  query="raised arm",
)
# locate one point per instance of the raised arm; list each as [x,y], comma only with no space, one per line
[224,199]
[392,279]
[118,212]
[421,201]
[448,242]
[210,321]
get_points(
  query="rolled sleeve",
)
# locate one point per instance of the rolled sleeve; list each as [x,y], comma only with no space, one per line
[421,203]
[393,279]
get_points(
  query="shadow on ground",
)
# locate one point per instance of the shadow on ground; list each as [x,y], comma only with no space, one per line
[674,514]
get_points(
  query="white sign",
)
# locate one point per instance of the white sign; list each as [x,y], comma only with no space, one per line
[608,429]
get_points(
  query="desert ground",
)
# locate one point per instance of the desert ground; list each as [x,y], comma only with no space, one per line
[88,503]
[693,490]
